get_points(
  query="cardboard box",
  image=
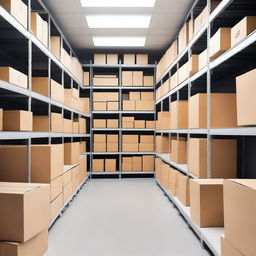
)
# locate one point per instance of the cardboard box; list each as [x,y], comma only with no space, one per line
[220,42]
[202,59]
[57,91]
[145,105]
[37,245]
[41,124]
[193,64]
[55,46]
[179,114]
[137,163]
[98,165]
[105,96]
[137,78]
[56,187]
[71,153]
[66,179]
[130,147]
[1,119]
[130,139]
[190,29]
[148,163]
[134,95]
[146,147]
[129,59]
[112,138]
[162,144]
[110,165]
[100,138]
[37,25]
[164,174]
[68,125]
[99,147]
[86,78]
[56,205]
[183,38]
[100,59]
[128,124]
[82,147]
[112,106]
[239,212]
[17,120]
[183,189]
[147,95]
[99,123]
[148,81]
[242,29]
[72,92]
[81,125]
[45,37]
[100,106]
[47,162]
[128,118]
[105,81]
[86,105]
[173,181]
[245,91]
[129,105]
[41,85]
[112,123]
[139,124]
[13,76]
[179,151]
[56,122]
[112,147]
[150,124]
[67,192]
[147,139]
[112,59]
[174,80]
[127,78]
[206,202]
[141,59]
[28,203]
[126,166]
[228,249]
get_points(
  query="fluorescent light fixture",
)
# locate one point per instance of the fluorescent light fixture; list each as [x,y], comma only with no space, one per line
[118,21]
[118,41]
[118,3]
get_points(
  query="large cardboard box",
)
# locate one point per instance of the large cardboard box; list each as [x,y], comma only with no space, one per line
[100,106]
[100,59]
[68,125]
[239,214]
[126,164]
[47,162]
[150,124]
[41,124]
[130,147]
[202,59]
[130,139]
[162,144]
[112,59]
[147,95]
[220,42]
[99,123]
[66,178]
[57,91]
[112,147]
[246,105]
[242,29]
[129,59]
[17,120]
[37,245]
[137,78]
[98,165]
[127,78]
[71,153]
[134,95]
[145,105]
[41,85]
[183,38]
[173,181]
[179,151]
[227,249]
[112,138]
[139,124]
[27,203]
[141,59]
[105,96]
[56,205]
[146,147]
[112,106]
[82,147]
[105,81]
[81,125]
[86,78]
[112,123]
[1,119]
[147,139]
[148,164]
[99,147]
[67,191]
[37,25]
[206,202]
[55,46]
[137,163]
[57,122]
[110,165]
[100,138]
[129,105]
[128,124]
[86,105]
[179,114]
[148,81]
[183,189]
[56,187]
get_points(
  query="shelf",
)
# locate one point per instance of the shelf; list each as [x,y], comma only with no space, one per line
[137,153]
[184,131]
[106,87]
[137,130]
[123,87]
[138,172]
[105,129]
[211,236]
[147,66]
[105,173]
[85,153]
[123,112]
[105,153]
[105,112]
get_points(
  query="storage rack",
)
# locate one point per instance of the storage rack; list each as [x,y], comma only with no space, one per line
[230,64]
[26,47]
[118,70]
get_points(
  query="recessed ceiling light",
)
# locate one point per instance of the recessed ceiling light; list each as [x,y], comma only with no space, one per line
[119,41]
[118,21]
[118,3]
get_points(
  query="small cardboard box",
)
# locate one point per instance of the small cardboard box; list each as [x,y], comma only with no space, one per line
[41,124]
[105,96]
[98,165]
[164,178]
[148,164]
[227,249]
[100,138]
[71,153]
[147,95]
[150,124]
[128,124]
[110,165]
[55,46]
[100,106]
[81,125]
[137,78]
[99,147]
[56,122]
[112,147]
[147,139]
[127,78]
[179,151]
[148,81]
[137,163]
[146,147]
[56,187]
[134,95]
[27,204]
[112,59]
[37,25]
[130,139]
[57,91]
[86,105]
[41,85]
[128,118]
[112,123]
[206,202]
[183,38]
[112,106]
[179,114]
[129,105]
[86,78]
[127,166]
[141,59]
[183,189]
[68,126]
[173,181]
[99,123]
[145,105]
[130,147]
[202,59]
[100,59]
[17,120]
[129,59]
[139,124]
[112,138]
[66,178]
[162,144]
[105,81]
[82,147]
[56,205]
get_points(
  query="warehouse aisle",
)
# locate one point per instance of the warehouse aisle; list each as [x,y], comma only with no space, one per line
[128,217]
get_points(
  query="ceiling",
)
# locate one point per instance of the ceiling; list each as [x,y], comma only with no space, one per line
[167,18]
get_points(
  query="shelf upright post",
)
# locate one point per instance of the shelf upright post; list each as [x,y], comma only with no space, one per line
[91,119]
[154,83]
[120,119]
[62,82]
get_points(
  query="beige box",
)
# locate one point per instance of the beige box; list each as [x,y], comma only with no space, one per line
[135,96]
[56,187]
[100,106]
[112,147]
[129,105]
[105,81]
[137,163]
[56,205]
[66,178]
[227,249]
[147,139]
[242,29]
[129,59]
[41,85]
[105,96]
[112,106]
[127,78]
[179,151]
[202,59]
[130,147]
[100,59]
[145,105]
[27,203]
[139,124]
[98,165]
[13,76]
[150,124]
[128,118]
[183,189]
[100,138]
[112,59]
[148,164]
[112,138]
[179,114]
[82,147]
[99,147]
[193,64]
[112,123]
[56,122]
[206,200]
[162,144]
[127,166]
[99,123]
[81,125]
[86,78]
[146,147]
[37,25]
[183,38]
[173,181]
[137,78]
[128,124]
[130,139]
[86,105]
[17,120]
[57,91]
[55,46]
[174,80]
[148,81]
[45,37]
[190,29]
[67,191]
[147,95]
[71,153]
[110,165]
[239,212]
[75,127]
[47,162]
[220,42]
[41,124]
[164,177]
[141,59]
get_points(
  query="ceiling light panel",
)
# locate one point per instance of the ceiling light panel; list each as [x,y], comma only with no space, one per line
[118,3]
[119,41]
[118,21]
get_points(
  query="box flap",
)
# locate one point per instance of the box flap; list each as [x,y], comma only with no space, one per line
[251,183]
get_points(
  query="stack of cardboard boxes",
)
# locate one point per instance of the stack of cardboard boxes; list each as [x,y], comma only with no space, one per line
[138,101]
[129,122]
[163,120]
[105,123]
[137,143]
[105,143]
[105,101]
[104,165]
[105,80]
[136,78]
[138,163]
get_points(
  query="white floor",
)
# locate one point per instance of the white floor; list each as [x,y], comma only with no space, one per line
[128,217]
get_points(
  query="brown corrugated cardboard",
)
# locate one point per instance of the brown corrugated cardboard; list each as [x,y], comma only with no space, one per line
[41,124]
[71,153]
[105,81]
[165,168]
[66,178]
[56,205]
[98,165]
[137,163]
[134,95]
[145,105]
[86,78]
[227,249]
[99,106]
[110,165]
[55,46]
[141,59]
[41,85]
[174,80]
[146,147]
[246,105]
[128,124]
[137,78]
[56,122]
[150,124]
[206,200]
[81,125]
[242,29]
[68,126]
[147,96]
[67,191]
[220,42]
[173,181]
[86,104]
[179,151]
[99,123]
[1,119]
[28,203]
[126,78]
[56,187]
[112,147]
[57,91]
[47,162]
[17,120]
[239,214]
[130,139]
[129,59]
[112,59]
[148,164]
[183,189]
[100,59]
[100,138]
[112,138]
[129,105]
[126,164]
[139,124]
[147,139]
[193,64]
[112,123]
[162,144]
[128,118]
[183,38]
[112,106]
[202,59]
[179,114]
[190,29]
[105,96]
[130,147]
[37,245]
[99,147]
[75,128]
[148,81]
[82,147]
[45,33]
[37,25]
